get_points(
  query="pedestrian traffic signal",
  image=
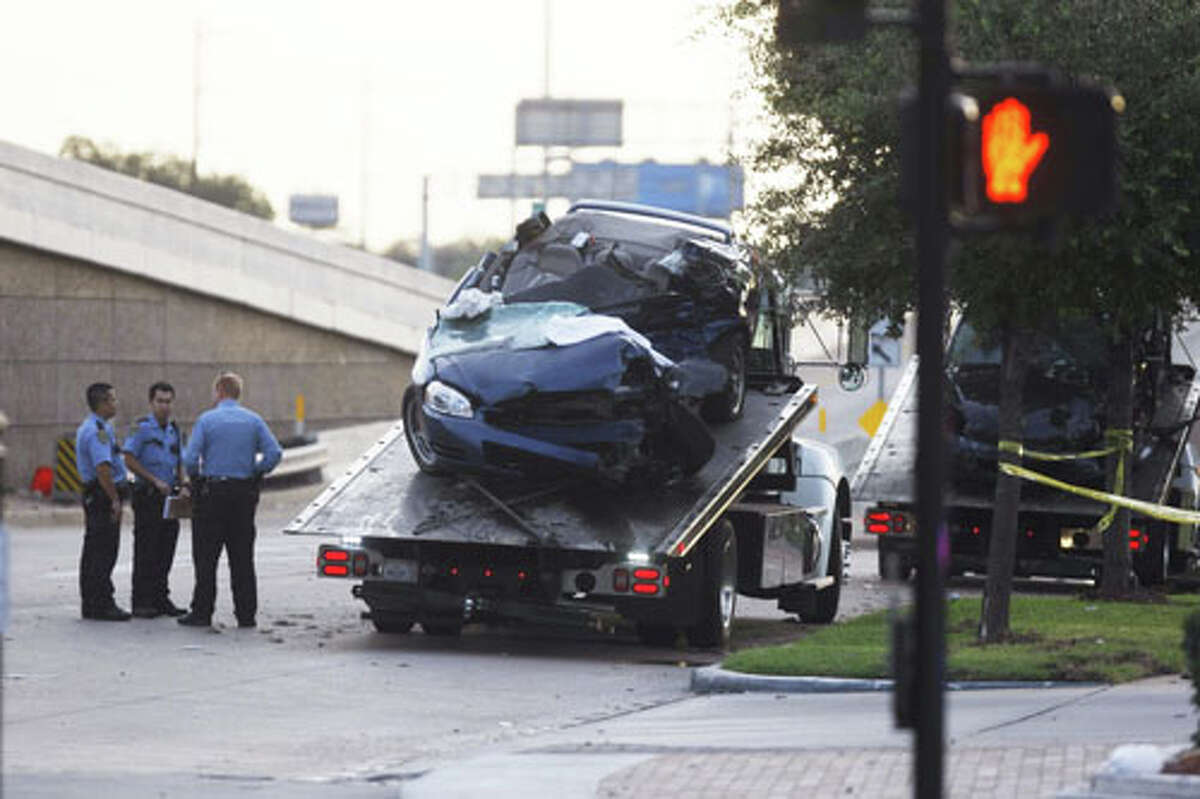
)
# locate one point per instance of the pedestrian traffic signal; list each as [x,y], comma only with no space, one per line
[1042,148]
[1010,151]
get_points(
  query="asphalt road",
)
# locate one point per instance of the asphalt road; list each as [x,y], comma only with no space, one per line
[313,694]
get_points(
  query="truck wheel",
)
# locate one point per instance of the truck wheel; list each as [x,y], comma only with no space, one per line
[1153,566]
[414,434]
[894,566]
[727,405]
[656,634]
[718,595]
[442,629]
[390,622]
[827,599]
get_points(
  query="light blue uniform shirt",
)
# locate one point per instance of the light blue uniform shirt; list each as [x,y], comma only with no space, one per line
[226,442]
[96,443]
[155,447]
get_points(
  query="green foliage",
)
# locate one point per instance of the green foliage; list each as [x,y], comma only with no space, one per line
[231,191]
[450,260]
[836,129]
[1053,638]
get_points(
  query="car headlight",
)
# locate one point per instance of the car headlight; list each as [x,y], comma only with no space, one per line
[440,398]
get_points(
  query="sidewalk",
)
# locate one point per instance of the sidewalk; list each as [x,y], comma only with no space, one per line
[1023,742]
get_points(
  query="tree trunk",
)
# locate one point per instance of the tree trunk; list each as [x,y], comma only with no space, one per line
[1002,546]
[1114,580]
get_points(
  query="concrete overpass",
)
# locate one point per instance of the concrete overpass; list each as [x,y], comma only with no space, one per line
[107,278]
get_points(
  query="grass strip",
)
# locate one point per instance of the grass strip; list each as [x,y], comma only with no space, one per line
[1053,638]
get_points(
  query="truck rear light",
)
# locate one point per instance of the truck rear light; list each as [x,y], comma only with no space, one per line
[645,588]
[453,571]
[521,575]
[882,522]
[488,571]
[333,561]
[1137,539]
[645,574]
[621,580]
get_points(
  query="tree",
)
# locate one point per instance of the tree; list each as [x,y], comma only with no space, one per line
[833,108]
[450,260]
[231,191]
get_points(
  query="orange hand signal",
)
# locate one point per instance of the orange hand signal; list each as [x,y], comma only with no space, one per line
[1010,153]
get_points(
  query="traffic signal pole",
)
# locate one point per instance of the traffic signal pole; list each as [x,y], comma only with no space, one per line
[933,236]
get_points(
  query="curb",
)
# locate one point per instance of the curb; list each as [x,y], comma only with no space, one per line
[714,680]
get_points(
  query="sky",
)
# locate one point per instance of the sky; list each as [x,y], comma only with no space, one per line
[365,98]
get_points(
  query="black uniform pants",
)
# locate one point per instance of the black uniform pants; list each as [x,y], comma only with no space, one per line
[101,540]
[154,540]
[223,518]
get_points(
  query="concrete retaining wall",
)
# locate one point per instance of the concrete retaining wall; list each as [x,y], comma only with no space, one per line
[65,323]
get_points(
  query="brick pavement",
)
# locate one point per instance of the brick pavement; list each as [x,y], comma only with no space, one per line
[970,773]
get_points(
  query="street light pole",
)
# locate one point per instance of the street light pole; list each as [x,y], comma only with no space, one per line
[933,235]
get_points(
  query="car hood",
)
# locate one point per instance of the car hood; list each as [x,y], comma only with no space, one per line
[493,376]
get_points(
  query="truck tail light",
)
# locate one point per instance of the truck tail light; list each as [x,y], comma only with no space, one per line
[645,588]
[887,522]
[645,574]
[335,561]
[1137,539]
[621,580]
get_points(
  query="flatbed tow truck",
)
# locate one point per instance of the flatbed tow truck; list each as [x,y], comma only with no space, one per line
[446,551]
[1057,535]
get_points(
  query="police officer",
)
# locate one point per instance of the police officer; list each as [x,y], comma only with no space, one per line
[221,459]
[104,488]
[152,453]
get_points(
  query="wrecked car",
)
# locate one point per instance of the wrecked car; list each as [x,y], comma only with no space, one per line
[601,343]
[1065,404]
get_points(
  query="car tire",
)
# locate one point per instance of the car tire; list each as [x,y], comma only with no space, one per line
[827,599]
[414,433]
[718,594]
[1153,566]
[442,629]
[727,405]
[654,634]
[894,566]
[393,623]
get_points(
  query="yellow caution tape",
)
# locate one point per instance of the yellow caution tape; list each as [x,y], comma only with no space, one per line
[1122,441]
[1166,513]
[1122,445]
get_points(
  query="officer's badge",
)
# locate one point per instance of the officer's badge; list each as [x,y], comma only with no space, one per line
[102,436]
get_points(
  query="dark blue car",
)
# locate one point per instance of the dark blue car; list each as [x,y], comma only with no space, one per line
[601,343]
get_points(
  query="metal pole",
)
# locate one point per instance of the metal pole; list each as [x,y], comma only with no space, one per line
[425,261]
[932,241]
[197,46]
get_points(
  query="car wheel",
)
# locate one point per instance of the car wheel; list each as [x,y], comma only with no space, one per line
[653,634]
[894,566]
[828,598]
[414,432]
[390,622]
[719,591]
[442,629]
[726,406]
[1153,567]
